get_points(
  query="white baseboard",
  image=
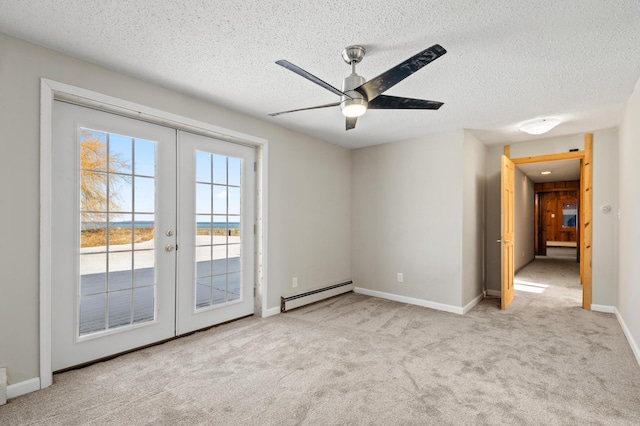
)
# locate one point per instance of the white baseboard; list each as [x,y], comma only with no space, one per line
[22,388]
[412,301]
[634,346]
[271,312]
[603,308]
[471,304]
[494,293]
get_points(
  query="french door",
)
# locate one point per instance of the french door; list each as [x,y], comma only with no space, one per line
[216,240]
[129,263]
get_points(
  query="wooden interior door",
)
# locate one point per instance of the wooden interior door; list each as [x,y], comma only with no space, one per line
[507,231]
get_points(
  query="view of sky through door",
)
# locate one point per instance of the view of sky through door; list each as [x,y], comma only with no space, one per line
[117,209]
[218,229]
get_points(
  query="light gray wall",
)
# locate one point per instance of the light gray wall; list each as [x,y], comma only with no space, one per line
[555,145]
[407,217]
[473,220]
[308,187]
[629,226]
[309,216]
[605,286]
[604,271]
[524,232]
[492,249]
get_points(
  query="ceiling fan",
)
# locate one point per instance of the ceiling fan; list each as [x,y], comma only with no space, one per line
[357,96]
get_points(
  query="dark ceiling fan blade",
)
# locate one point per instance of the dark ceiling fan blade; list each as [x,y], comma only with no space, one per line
[395,102]
[378,85]
[291,67]
[304,109]
[351,122]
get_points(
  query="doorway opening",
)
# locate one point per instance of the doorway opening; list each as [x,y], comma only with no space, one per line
[157,308]
[556,209]
[558,220]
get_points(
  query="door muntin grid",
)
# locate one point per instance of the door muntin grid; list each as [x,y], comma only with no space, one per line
[218,278]
[116,249]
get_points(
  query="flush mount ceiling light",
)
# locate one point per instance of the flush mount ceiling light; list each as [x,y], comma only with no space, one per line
[545,173]
[539,126]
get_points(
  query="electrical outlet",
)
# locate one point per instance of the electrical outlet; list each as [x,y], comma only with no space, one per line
[295,282]
[400,277]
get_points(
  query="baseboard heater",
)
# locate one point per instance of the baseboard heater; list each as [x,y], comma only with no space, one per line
[301,299]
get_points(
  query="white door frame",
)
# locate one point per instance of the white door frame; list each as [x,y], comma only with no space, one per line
[52,90]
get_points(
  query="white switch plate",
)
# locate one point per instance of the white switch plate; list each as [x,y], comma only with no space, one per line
[295,282]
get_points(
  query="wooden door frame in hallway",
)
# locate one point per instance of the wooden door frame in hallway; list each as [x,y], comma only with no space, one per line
[586,205]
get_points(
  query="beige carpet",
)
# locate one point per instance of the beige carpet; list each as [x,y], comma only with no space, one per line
[359,360]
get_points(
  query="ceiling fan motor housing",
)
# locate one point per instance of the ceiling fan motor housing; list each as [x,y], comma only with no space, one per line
[357,104]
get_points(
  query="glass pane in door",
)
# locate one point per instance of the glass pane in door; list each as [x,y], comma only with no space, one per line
[218,209]
[117,209]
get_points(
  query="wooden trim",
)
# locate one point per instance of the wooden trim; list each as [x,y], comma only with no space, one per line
[576,155]
[507,151]
[540,191]
[564,185]
[536,223]
[581,223]
[588,215]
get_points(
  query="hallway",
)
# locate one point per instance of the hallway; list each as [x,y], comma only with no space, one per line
[555,278]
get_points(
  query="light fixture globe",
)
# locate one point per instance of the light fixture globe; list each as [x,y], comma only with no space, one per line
[539,126]
[353,107]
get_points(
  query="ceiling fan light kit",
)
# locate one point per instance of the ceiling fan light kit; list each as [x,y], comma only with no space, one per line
[539,126]
[357,96]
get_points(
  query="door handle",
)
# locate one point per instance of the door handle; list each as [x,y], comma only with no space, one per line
[506,241]
[168,247]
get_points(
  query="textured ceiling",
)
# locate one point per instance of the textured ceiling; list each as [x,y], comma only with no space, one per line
[508,61]
[560,171]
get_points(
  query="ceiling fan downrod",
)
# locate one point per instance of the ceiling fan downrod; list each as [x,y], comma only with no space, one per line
[355,105]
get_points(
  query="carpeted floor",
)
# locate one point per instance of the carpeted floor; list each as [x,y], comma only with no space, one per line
[358,360]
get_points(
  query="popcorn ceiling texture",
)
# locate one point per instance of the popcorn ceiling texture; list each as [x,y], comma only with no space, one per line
[507,62]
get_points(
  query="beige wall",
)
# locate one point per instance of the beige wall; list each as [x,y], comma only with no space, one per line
[629,226]
[308,188]
[524,232]
[473,218]
[604,271]
[407,217]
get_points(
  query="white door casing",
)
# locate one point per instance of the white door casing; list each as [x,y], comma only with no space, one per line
[52,91]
